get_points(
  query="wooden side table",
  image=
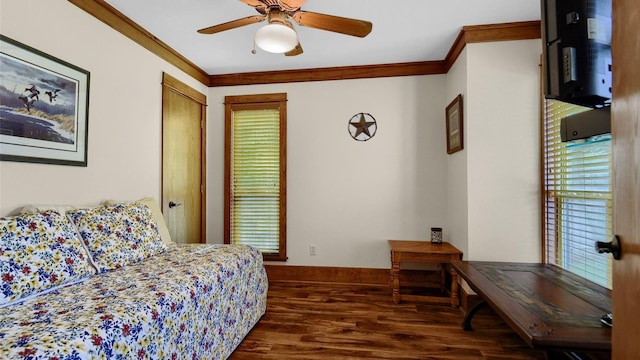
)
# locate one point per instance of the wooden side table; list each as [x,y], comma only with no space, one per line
[424,251]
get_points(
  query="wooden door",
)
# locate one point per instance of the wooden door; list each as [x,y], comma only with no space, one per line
[183,161]
[626,177]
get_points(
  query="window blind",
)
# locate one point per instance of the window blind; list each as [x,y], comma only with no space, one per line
[255,179]
[577,197]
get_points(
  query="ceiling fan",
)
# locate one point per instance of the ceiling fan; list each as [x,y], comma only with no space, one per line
[279,36]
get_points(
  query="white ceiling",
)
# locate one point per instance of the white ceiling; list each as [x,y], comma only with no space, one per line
[403,30]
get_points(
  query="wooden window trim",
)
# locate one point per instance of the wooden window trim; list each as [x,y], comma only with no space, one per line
[278,100]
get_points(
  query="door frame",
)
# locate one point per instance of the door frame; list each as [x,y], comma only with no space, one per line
[169,83]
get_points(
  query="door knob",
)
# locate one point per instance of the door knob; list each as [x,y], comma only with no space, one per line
[612,247]
[172,205]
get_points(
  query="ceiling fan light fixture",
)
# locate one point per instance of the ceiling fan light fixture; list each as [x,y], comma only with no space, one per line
[276,38]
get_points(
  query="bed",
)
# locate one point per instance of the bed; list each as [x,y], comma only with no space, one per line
[188,301]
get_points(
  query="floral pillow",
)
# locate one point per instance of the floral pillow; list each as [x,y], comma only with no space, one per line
[38,252]
[117,235]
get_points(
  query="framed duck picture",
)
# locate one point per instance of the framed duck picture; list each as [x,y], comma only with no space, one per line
[44,107]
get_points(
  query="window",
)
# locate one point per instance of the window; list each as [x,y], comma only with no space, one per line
[255,173]
[577,198]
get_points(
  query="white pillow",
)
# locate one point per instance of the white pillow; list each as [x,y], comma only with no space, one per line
[155,212]
[38,208]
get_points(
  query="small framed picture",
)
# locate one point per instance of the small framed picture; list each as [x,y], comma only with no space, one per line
[455,140]
[44,107]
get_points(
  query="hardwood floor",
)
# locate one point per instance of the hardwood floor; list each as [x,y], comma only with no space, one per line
[335,321]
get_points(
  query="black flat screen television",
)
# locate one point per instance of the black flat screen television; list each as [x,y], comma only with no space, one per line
[577,51]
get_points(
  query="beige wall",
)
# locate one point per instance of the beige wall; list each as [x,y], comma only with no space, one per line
[503,160]
[346,197]
[457,231]
[124,159]
[493,184]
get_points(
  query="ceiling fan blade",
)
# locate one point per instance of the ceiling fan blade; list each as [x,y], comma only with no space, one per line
[291,5]
[253,3]
[232,24]
[259,5]
[296,50]
[353,27]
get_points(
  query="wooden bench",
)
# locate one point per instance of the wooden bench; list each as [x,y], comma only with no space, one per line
[550,308]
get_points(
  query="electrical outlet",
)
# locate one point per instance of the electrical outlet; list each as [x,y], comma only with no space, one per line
[312,250]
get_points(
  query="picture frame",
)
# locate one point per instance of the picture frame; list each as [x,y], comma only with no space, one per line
[454,120]
[44,107]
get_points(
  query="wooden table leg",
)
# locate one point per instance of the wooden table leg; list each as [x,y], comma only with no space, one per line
[395,272]
[455,298]
[391,274]
[391,278]
[466,323]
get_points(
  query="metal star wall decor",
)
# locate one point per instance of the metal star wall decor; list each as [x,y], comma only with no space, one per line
[362,126]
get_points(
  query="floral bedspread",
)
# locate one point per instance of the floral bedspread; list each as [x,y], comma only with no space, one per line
[191,302]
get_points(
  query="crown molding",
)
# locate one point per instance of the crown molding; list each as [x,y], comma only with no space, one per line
[330,73]
[525,30]
[469,34]
[127,27]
